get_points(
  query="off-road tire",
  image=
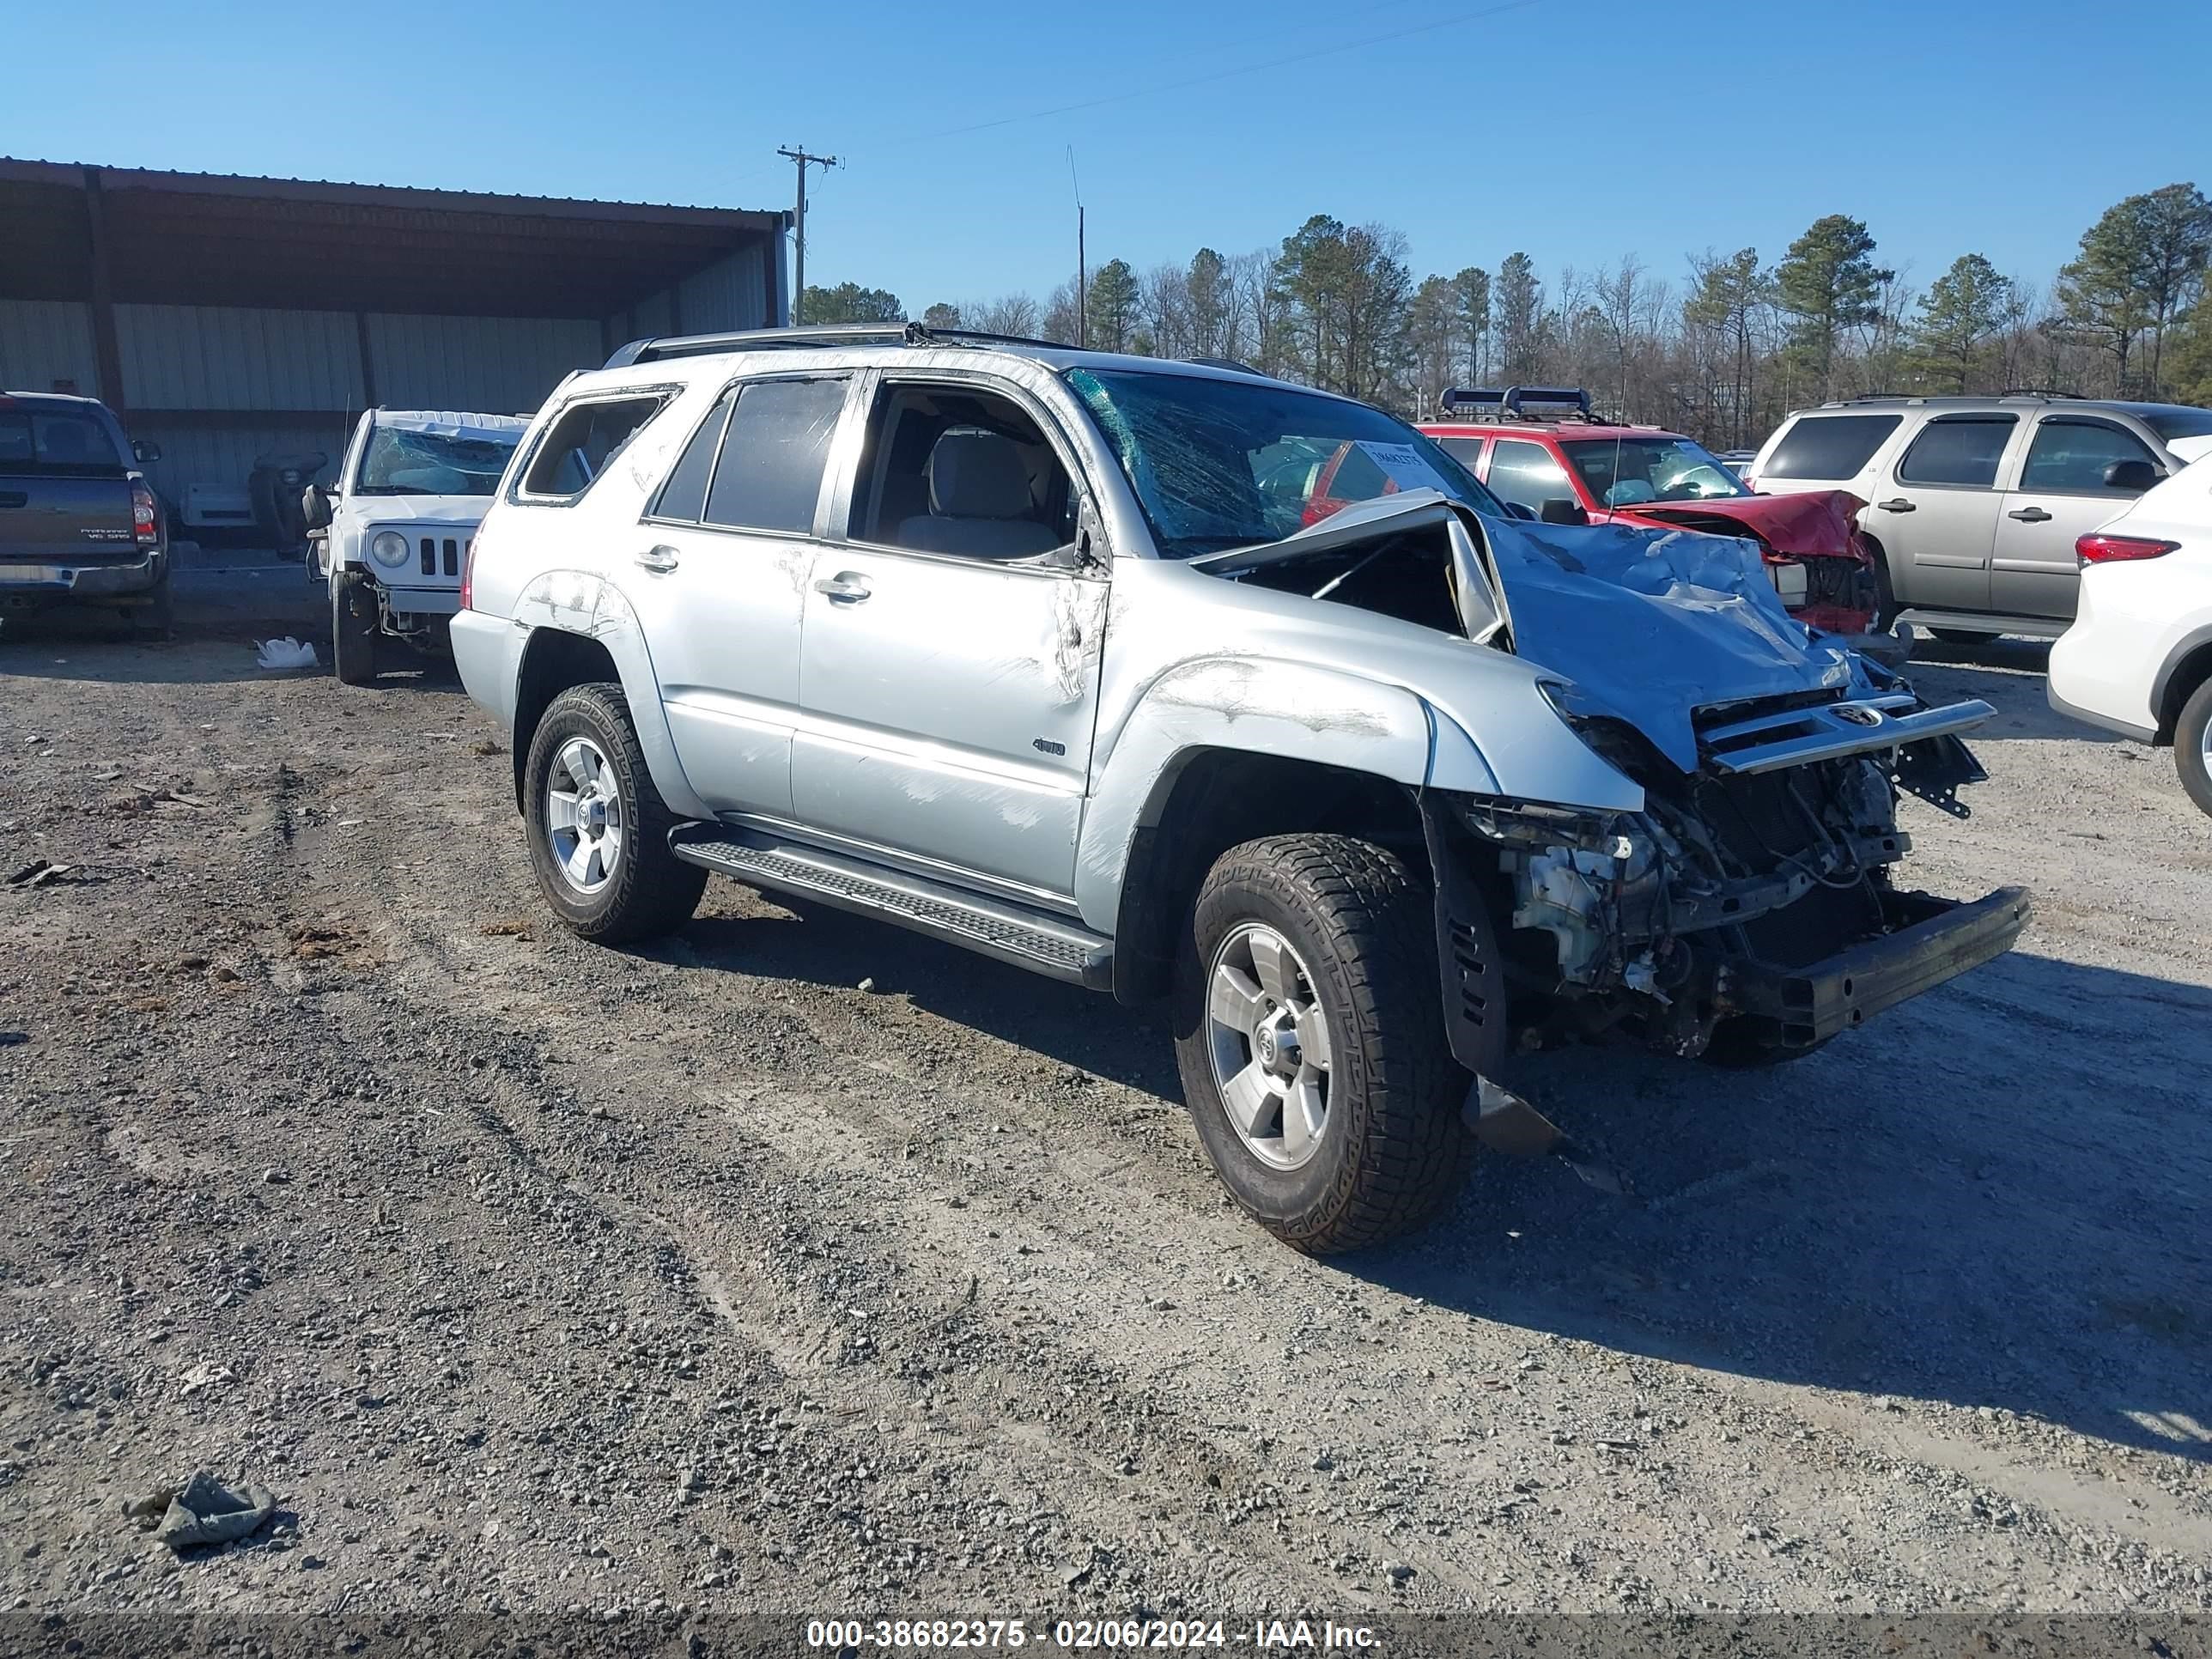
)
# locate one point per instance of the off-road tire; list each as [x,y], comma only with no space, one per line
[1394,1150]
[2189,745]
[651,891]
[353,630]
[1885,606]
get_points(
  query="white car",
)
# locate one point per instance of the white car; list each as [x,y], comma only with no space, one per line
[392,536]
[2138,659]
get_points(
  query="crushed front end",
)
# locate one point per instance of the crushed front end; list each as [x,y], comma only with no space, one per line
[1749,909]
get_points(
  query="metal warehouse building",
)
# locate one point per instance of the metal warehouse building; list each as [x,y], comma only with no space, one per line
[224,318]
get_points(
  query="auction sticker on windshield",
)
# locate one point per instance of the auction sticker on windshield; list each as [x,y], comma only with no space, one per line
[1406,467]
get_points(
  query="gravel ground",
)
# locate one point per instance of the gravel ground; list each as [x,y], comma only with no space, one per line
[530,1275]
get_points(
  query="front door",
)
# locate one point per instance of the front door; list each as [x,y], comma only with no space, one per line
[949,672]
[2062,495]
[1935,515]
[719,576]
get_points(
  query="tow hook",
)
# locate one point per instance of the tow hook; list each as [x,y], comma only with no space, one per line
[1505,1122]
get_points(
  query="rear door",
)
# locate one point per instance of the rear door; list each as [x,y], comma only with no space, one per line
[721,563]
[2061,495]
[1936,512]
[64,488]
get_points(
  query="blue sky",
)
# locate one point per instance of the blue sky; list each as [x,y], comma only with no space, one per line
[1575,130]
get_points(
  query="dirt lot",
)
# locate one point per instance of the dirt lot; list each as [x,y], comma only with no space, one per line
[530,1275]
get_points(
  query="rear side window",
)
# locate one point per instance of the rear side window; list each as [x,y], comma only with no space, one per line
[683,497]
[2069,457]
[1963,450]
[1466,451]
[769,477]
[56,441]
[1829,445]
[583,442]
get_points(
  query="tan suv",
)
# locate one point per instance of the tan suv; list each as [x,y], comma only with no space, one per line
[1974,503]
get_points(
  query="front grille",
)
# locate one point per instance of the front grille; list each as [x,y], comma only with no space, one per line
[434,548]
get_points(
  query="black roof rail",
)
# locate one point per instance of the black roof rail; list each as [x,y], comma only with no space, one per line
[804,339]
[2040,392]
[1230,363]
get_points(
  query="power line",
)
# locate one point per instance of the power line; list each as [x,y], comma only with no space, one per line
[1213,75]
[798,280]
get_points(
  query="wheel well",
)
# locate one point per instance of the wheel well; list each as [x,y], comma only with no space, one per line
[1220,798]
[552,661]
[2191,672]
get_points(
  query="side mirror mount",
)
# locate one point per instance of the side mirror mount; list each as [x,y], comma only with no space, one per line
[315,507]
[1515,510]
[145,452]
[1559,511]
[2133,477]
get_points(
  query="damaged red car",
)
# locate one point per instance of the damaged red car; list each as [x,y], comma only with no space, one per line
[1573,470]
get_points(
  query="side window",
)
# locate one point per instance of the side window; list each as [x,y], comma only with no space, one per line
[582,441]
[1468,452]
[1962,450]
[683,497]
[769,476]
[1526,475]
[2069,456]
[1829,445]
[958,471]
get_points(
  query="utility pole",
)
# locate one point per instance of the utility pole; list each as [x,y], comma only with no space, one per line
[799,278]
[1082,306]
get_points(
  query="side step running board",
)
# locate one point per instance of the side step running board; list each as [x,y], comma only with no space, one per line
[1042,943]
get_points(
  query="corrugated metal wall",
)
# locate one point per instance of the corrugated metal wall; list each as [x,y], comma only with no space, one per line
[224,454]
[732,293]
[43,341]
[505,365]
[205,357]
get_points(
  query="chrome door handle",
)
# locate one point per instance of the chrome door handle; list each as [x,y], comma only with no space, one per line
[846,589]
[2029,515]
[1900,505]
[657,558]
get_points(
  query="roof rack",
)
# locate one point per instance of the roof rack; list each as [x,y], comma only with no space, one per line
[1512,403]
[2040,392]
[802,339]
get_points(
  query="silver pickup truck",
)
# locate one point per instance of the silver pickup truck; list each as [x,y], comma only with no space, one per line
[1057,656]
[78,522]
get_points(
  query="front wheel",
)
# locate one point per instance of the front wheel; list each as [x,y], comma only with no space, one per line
[1309,1034]
[599,829]
[2192,746]
[353,630]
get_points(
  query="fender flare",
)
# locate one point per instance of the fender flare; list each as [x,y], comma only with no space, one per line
[582,603]
[1255,705]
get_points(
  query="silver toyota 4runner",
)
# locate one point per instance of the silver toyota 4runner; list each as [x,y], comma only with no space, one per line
[1056,655]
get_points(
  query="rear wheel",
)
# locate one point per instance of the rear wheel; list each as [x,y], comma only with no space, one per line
[2192,746]
[353,629]
[156,618]
[599,829]
[1309,1034]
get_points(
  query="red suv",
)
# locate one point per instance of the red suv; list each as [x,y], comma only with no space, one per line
[1573,470]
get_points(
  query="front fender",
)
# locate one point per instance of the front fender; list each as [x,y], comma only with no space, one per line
[580,602]
[1256,704]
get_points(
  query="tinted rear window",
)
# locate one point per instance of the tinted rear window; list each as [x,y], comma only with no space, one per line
[1958,451]
[1828,446]
[2171,423]
[36,441]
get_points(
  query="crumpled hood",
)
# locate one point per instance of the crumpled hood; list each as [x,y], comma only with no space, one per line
[1656,624]
[419,509]
[1815,524]
[1651,624]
